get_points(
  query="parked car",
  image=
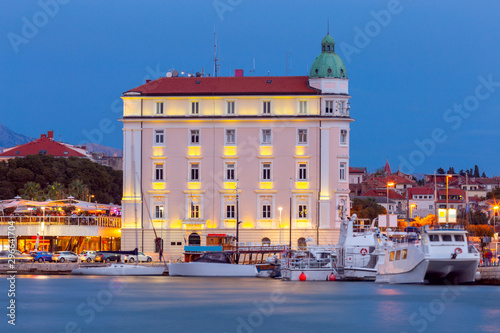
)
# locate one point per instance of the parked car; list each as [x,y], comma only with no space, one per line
[141,256]
[18,256]
[88,256]
[41,256]
[107,257]
[63,256]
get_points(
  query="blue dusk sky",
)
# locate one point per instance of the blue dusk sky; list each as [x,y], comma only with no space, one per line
[424,76]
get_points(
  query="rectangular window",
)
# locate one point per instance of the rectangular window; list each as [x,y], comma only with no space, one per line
[159,107]
[302,171]
[446,238]
[342,175]
[230,107]
[342,107]
[195,211]
[431,206]
[195,137]
[302,107]
[159,137]
[158,171]
[391,257]
[266,107]
[266,211]
[328,107]
[158,211]
[230,137]
[459,238]
[434,238]
[404,254]
[398,255]
[266,137]
[195,107]
[230,211]
[302,211]
[195,171]
[343,137]
[266,171]
[230,171]
[302,136]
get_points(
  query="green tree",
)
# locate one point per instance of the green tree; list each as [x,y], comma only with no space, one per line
[55,191]
[31,191]
[476,171]
[440,171]
[483,175]
[367,208]
[451,171]
[79,190]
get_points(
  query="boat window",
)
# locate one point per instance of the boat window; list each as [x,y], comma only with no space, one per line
[434,238]
[459,238]
[398,254]
[404,254]
[391,258]
[446,238]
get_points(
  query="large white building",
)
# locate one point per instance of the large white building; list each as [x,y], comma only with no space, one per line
[189,142]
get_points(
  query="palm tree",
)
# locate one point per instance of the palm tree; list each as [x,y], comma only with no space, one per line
[78,189]
[31,191]
[55,191]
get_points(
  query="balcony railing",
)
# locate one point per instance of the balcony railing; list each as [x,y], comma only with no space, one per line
[100,221]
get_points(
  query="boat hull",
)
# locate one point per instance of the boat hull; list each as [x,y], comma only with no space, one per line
[414,275]
[454,270]
[211,269]
[120,270]
[311,274]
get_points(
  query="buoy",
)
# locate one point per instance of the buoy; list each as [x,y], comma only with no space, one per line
[302,277]
[333,277]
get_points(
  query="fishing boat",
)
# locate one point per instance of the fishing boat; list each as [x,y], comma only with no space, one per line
[434,255]
[212,264]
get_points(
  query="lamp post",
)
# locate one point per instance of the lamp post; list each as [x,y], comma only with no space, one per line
[90,197]
[388,185]
[411,212]
[280,209]
[43,228]
[447,209]
[495,212]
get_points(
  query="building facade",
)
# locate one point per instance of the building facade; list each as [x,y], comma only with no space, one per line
[200,151]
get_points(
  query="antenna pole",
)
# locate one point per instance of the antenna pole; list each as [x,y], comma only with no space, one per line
[215,54]
[286,63]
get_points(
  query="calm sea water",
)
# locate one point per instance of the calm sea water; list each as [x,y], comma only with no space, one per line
[174,304]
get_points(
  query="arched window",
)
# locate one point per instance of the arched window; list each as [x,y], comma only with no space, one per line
[266,241]
[194,239]
[301,242]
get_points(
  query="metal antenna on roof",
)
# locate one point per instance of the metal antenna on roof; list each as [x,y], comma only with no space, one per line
[252,70]
[216,65]
[328,28]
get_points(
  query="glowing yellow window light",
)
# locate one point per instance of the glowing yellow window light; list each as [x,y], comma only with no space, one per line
[266,185]
[230,150]
[194,150]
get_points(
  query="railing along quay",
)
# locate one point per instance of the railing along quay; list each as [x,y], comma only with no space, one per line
[100,221]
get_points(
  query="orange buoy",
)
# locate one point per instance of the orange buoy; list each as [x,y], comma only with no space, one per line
[333,277]
[302,277]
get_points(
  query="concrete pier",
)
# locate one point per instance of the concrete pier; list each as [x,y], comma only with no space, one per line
[489,275]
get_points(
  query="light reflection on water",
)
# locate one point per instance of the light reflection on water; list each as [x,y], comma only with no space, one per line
[175,304]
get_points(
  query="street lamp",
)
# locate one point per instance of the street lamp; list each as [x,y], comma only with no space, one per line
[495,212]
[411,209]
[90,196]
[43,228]
[447,209]
[388,185]
[280,209]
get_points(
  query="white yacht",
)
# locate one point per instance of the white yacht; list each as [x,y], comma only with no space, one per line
[120,270]
[433,255]
[359,250]
[219,264]
[315,263]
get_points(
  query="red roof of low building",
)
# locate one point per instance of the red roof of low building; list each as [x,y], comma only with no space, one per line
[396,180]
[383,193]
[43,145]
[420,191]
[227,85]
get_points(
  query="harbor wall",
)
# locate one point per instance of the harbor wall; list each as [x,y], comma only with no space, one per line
[489,275]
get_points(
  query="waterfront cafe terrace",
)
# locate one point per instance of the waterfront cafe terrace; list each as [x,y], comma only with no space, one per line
[60,225]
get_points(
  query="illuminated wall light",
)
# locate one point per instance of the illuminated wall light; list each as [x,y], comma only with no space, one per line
[302,185]
[266,185]
[266,150]
[230,150]
[194,150]
[231,224]
[176,224]
[158,186]
[194,185]
[230,186]
[300,150]
[157,151]
[247,225]
[302,224]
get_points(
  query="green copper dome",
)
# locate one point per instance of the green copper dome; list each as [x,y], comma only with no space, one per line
[328,63]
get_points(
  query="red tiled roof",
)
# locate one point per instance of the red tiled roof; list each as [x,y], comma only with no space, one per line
[52,147]
[383,193]
[420,190]
[354,170]
[227,85]
[451,191]
[396,180]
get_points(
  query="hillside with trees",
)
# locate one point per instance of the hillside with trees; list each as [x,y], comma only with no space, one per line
[40,177]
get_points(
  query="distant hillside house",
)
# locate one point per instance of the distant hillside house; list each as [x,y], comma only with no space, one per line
[45,145]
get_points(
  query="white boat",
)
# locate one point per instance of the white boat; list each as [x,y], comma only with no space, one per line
[315,263]
[359,251]
[212,264]
[120,270]
[433,255]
